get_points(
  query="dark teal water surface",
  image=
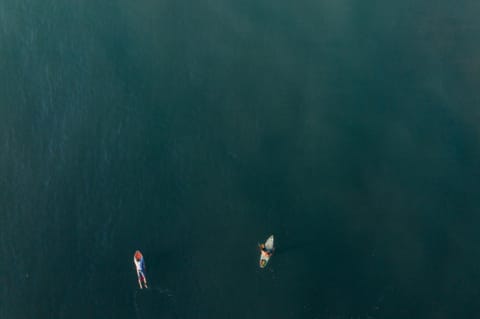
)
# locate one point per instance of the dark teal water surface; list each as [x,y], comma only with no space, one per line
[192,130]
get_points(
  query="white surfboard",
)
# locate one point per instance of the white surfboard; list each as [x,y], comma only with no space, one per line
[264,258]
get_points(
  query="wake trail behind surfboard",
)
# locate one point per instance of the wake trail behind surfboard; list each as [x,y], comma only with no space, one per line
[135,304]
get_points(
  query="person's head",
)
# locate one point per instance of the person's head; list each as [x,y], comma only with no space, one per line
[138,255]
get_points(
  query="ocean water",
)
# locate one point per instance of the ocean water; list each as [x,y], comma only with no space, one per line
[192,130]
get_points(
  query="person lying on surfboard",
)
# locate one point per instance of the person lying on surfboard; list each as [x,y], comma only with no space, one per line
[140,267]
[265,252]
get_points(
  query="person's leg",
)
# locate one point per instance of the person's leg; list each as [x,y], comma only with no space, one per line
[139,276]
[144,279]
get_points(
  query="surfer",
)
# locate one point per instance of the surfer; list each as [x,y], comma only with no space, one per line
[140,266]
[265,252]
